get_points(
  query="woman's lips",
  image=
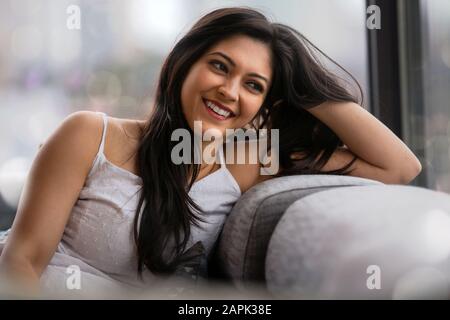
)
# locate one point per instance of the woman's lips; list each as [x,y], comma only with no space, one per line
[215,115]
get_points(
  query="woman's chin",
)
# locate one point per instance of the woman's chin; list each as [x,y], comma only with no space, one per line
[202,125]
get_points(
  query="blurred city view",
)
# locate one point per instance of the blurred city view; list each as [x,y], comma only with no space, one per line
[112,63]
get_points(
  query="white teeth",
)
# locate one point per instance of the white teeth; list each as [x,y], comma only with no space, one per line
[217,110]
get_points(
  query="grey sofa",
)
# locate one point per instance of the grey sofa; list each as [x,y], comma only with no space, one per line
[339,237]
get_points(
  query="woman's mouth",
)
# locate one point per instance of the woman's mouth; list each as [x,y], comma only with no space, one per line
[216,111]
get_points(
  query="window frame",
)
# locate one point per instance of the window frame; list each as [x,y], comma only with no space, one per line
[396,84]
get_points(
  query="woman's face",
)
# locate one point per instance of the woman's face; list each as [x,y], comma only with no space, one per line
[226,87]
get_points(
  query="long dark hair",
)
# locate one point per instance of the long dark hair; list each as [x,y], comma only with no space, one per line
[165,211]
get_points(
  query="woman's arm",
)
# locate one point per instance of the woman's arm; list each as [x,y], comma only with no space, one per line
[381,154]
[52,187]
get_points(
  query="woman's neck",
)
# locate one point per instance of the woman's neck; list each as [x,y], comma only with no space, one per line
[209,156]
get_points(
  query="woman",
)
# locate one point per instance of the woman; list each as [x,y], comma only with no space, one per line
[105,195]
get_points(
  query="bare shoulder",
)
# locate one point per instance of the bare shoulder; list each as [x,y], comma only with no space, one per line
[130,129]
[121,142]
[78,137]
[53,184]
[121,139]
[80,131]
[245,166]
[83,120]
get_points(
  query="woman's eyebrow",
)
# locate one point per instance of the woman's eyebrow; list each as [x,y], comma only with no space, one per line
[223,55]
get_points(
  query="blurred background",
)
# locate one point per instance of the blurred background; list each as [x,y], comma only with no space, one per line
[110,62]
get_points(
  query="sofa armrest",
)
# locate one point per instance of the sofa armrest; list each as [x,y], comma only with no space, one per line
[241,249]
[377,242]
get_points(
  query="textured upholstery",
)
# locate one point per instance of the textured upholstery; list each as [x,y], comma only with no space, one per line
[242,247]
[324,244]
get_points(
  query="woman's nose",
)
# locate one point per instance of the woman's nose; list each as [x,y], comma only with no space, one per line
[230,90]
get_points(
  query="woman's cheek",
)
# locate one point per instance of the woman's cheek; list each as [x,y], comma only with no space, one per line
[253,109]
[210,80]
[246,116]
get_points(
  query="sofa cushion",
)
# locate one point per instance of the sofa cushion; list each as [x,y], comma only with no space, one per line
[332,244]
[243,243]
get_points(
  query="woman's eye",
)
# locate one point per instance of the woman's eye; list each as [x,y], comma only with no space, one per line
[219,65]
[256,86]
[222,67]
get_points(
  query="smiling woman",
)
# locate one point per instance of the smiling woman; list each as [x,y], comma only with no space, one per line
[226,87]
[119,208]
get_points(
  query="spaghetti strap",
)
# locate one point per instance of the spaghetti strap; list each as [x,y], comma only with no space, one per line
[105,125]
